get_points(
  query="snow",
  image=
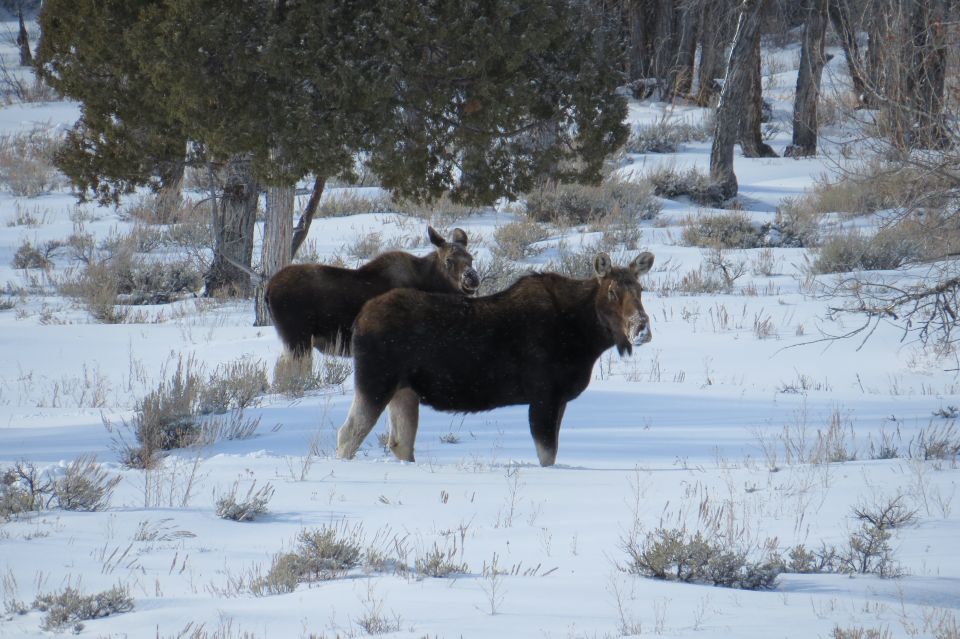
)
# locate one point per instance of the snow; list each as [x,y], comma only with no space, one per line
[690,428]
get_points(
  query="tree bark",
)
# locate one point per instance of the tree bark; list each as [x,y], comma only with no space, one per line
[23,43]
[839,11]
[715,34]
[303,224]
[751,115]
[640,51]
[277,241]
[805,129]
[734,94]
[680,79]
[925,84]
[234,222]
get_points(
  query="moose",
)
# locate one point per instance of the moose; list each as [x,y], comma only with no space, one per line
[314,305]
[533,343]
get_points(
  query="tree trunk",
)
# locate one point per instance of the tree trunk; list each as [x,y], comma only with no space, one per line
[735,92]
[303,224]
[640,38]
[805,127]
[234,222]
[664,43]
[714,37]
[277,242]
[839,11]
[925,85]
[23,43]
[751,115]
[680,80]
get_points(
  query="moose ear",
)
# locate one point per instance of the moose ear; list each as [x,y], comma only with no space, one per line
[435,237]
[601,264]
[459,237]
[641,264]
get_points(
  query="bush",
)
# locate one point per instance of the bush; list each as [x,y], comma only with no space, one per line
[322,554]
[514,240]
[936,442]
[732,230]
[30,256]
[26,163]
[84,486]
[233,386]
[294,377]
[249,507]
[497,273]
[581,204]
[168,417]
[796,224]
[346,203]
[674,555]
[72,607]
[24,489]
[439,563]
[887,249]
[664,136]
[669,183]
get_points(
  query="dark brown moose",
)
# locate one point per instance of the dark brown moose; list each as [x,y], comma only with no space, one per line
[534,343]
[315,304]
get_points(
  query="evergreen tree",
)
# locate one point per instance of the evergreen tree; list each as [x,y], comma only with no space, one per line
[478,98]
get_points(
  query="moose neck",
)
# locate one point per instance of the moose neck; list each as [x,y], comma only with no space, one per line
[578,300]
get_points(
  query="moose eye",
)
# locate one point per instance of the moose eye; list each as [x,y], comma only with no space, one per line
[449,263]
[612,294]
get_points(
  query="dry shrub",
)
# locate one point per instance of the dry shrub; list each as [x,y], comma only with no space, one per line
[26,162]
[796,224]
[856,632]
[675,555]
[345,203]
[497,273]
[854,250]
[581,203]
[294,377]
[670,183]
[169,417]
[233,386]
[84,486]
[875,186]
[322,554]
[30,256]
[164,207]
[71,607]
[247,508]
[664,136]
[514,241]
[732,230]
[439,563]
[24,489]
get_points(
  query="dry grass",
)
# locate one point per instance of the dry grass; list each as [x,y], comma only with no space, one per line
[514,241]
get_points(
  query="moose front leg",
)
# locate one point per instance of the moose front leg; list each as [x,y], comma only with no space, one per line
[545,419]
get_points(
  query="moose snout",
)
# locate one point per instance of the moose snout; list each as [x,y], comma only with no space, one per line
[641,329]
[469,281]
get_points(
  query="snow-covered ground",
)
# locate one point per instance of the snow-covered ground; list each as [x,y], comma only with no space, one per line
[700,428]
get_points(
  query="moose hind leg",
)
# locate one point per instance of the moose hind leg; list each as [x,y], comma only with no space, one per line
[545,419]
[404,418]
[363,416]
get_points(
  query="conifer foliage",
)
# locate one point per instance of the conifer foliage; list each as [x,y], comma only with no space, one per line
[478,98]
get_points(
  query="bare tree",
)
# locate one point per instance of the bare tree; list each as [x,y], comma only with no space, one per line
[233,225]
[23,42]
[734,95]
[808,81]
[839,11]
[750,135]
[715,33]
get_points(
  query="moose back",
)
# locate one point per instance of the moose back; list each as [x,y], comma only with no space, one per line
[314,305]
[534,343]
